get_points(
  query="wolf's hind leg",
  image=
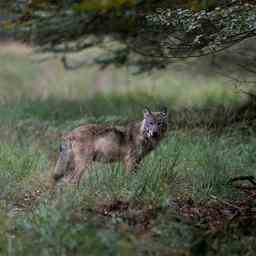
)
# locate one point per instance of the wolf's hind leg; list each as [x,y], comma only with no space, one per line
[81,165]
[63,162]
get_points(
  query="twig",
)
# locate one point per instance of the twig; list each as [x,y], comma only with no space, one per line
[251,179]
[226,203]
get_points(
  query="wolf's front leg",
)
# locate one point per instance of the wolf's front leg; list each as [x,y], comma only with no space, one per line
[130,163]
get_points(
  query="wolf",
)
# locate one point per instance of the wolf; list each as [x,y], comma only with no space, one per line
[109,143]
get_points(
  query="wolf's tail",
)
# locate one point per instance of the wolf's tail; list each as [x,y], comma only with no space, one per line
[63,162]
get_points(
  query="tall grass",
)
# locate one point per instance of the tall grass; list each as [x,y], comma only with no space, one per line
[199,167]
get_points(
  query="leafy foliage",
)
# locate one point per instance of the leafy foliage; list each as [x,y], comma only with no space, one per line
[152,29]
[206,31]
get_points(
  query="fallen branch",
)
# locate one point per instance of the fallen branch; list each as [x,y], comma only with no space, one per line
[226,203]
[251,179]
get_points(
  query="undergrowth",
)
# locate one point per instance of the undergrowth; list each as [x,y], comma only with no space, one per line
[112,213]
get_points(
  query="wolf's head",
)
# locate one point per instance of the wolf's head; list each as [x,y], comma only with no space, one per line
[154,124]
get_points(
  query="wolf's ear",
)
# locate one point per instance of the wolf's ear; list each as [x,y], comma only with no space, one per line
[164,111]
[146,112]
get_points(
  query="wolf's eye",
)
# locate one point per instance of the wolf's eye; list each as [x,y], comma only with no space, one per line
[151,123]
[159,123]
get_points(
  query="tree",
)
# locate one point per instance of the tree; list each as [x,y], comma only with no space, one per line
[157,30]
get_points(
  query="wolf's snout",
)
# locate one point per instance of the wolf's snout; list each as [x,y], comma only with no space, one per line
[155,134]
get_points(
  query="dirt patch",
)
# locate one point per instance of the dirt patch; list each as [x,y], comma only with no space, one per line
[11,47]
[138,217]
[218,215]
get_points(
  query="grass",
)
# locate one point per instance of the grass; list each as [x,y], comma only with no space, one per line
[173,205]
[108,214]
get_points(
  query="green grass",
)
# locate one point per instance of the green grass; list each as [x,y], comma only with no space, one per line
[112,213]
[192,164]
